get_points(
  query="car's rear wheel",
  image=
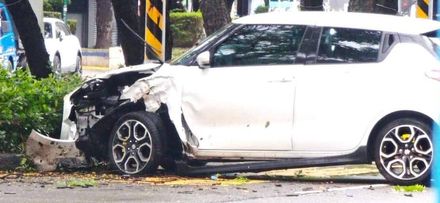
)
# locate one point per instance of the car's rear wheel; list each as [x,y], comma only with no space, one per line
[403,151]
[135,145]
[78,65]
[56,65]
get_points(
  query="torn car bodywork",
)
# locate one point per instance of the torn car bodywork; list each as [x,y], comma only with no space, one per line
[92,109]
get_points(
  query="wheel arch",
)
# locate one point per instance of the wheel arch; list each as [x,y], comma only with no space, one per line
[95,145]
[389,118]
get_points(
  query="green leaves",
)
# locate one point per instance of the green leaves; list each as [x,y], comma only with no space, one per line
[187,28]
[409,188]
[27,103]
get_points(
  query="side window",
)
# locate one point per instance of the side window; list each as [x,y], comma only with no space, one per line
[61,27]
[4,21]
[259,45]
[48,31]
[343,45]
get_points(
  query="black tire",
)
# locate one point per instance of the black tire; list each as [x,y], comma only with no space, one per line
[78,65]
[131,154]
[56,65]
[403,151]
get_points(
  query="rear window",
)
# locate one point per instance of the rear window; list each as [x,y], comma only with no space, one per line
[345,45]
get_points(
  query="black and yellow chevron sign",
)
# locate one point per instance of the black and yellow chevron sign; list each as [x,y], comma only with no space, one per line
[155,26]
[422,9]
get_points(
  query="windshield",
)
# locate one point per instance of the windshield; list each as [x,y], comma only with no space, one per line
[185,58]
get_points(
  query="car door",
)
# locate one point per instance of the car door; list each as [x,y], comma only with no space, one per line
[245,100]
[337,89]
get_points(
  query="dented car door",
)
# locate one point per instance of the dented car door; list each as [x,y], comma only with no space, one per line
[245,100]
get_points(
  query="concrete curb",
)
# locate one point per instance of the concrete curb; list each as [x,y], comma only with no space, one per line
[9,161]
[97,68]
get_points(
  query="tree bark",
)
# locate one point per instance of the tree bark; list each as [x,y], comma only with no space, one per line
[229,5]
[386,6]
[104,17]
[132,47]
[365,6]
[195,5]
[215,15]
[31,37]
[373,6]
[311,5]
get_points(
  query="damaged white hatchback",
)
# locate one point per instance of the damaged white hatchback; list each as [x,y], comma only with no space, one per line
[272,91]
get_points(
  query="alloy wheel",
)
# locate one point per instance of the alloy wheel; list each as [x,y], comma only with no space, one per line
[132,147]
[406,152]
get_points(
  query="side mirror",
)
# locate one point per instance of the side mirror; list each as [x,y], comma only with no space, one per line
[204,60]
[5,27]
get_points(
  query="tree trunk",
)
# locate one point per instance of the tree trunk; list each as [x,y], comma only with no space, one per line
[215,15]
[104,17]
[386,6]
[195,5]
[132,47]
[31,37]
[373,6]
[229,5]
[365,6]
[311,5]
[266,3]
[169,34]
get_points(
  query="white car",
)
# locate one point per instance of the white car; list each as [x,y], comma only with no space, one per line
[284,89]
[63,47]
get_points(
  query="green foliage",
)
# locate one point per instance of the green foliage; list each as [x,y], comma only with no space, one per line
[84,183]
[52,14]
[409,188]
[262,9]
[26,165]
[187,28]
[27,103]
[54,5]
[241,180]
[71,23]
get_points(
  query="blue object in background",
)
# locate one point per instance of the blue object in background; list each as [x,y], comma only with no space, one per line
[8,40]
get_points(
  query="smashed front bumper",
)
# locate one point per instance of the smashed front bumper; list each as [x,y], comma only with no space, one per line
[48,153]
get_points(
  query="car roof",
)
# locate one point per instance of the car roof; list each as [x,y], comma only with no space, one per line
[368,21]
[51,20]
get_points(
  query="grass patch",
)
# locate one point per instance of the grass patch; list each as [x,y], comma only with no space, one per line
[241,180]
[409,188]
[72,183]
[178,51]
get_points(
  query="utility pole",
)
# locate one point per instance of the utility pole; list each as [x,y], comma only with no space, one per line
[65,11]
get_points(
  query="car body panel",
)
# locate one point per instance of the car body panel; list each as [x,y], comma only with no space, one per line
[388,23]
[266,112]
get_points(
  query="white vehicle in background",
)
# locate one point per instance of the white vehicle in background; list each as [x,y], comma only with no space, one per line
[63,47]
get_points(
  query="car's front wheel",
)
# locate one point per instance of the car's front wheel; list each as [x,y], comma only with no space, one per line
[135,145]
[403,151]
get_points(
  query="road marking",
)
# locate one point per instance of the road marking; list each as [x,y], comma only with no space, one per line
[341,189]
